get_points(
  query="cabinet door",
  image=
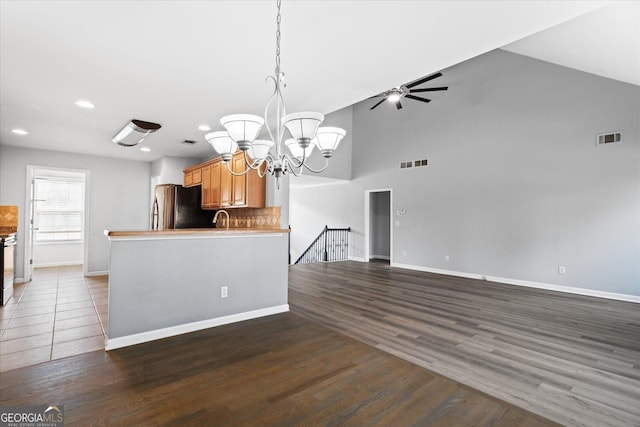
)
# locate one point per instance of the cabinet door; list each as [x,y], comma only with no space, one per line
[196,177]
[206,187]
[239,182]
[215,183]
[188,179]
[226,188]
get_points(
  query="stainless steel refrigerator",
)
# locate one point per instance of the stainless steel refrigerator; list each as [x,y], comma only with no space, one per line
[178,207]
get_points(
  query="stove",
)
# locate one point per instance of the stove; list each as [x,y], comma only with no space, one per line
[7,266]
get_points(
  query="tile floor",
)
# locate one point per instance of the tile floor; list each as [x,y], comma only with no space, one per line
[59,313]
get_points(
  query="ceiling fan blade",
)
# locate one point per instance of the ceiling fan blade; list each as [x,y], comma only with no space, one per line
[398,105]
[429,89]
[417,98]
[380,102]
[423,80]
[375,96]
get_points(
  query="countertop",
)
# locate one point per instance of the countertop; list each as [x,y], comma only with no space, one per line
[194,232]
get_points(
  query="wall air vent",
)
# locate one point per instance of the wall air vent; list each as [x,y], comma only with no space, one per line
[415,163]
[189,141]
[608,138]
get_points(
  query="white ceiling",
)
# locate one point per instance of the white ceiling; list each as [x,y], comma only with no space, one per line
[184,63]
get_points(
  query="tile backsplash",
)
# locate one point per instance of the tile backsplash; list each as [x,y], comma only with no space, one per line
[252,218]
[8,219]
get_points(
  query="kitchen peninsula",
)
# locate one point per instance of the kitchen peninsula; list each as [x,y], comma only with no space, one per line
[165,283]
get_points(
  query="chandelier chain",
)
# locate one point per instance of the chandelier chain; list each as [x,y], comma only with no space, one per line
[266,156]
[278,19]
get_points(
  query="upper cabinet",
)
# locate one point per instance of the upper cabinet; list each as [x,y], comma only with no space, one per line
[193,176]
[223,190]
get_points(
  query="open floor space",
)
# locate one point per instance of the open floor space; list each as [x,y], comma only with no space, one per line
[59,313]
[570,358]
[480,353]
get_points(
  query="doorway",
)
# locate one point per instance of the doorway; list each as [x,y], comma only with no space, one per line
[378,225]
[56,212]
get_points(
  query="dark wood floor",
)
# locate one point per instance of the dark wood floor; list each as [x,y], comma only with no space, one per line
[569,358]
[280,370]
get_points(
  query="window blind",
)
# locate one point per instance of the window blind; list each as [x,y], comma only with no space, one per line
[59,209]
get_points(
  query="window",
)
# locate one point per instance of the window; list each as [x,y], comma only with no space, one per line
[58,209]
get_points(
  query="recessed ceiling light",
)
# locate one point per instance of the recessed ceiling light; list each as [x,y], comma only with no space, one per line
[84,104]
[145,149]
[204,128]
[20,132]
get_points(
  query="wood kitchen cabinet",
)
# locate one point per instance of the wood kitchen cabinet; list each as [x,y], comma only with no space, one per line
[223,190]
[193,176]
[207,199]
[248,190]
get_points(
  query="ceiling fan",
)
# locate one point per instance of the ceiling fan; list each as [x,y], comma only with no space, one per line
[406,91]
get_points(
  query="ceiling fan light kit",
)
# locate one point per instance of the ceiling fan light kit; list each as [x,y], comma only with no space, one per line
[406,91]
[267,156]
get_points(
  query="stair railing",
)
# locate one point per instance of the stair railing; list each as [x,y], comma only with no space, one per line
[332,244]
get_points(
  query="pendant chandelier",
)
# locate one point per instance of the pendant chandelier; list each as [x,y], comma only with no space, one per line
[267,155]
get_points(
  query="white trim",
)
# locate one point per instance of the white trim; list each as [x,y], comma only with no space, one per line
[357,259]
[203,235]
[19,280]
[96,273]
[111,344]
[57,264]
[526,283]
[28,244]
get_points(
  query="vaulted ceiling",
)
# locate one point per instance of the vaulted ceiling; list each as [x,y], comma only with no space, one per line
[186,63]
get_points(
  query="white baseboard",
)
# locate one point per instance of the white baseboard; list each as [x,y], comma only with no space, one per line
[538,285]
[353,258]
[19,280]
[111,344]
[56,264]
[96,273]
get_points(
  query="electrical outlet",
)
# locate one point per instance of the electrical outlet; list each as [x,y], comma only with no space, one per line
[446,257]
[404,253]
[562,269]
[224,292]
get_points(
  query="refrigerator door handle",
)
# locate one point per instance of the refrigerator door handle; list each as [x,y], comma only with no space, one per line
[154,217]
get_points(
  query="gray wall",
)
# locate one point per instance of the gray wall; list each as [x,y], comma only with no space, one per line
[170,169]
[340,163]
[515,185]
[161,283]
[118,195]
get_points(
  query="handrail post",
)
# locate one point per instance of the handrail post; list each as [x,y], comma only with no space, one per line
[326,228]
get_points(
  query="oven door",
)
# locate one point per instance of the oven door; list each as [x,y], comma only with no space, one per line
[8,272]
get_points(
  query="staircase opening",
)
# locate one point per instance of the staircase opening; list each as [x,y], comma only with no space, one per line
[332,244]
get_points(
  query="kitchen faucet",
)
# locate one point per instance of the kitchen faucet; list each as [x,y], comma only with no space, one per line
[215,217]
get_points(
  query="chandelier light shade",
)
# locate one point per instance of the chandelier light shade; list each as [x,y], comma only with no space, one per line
[259,149]
[297,151]
[327,139]
[303,126]
[222,143]
[242,130]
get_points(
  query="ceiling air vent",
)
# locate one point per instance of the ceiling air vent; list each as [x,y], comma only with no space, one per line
[189,141]
[608,138]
